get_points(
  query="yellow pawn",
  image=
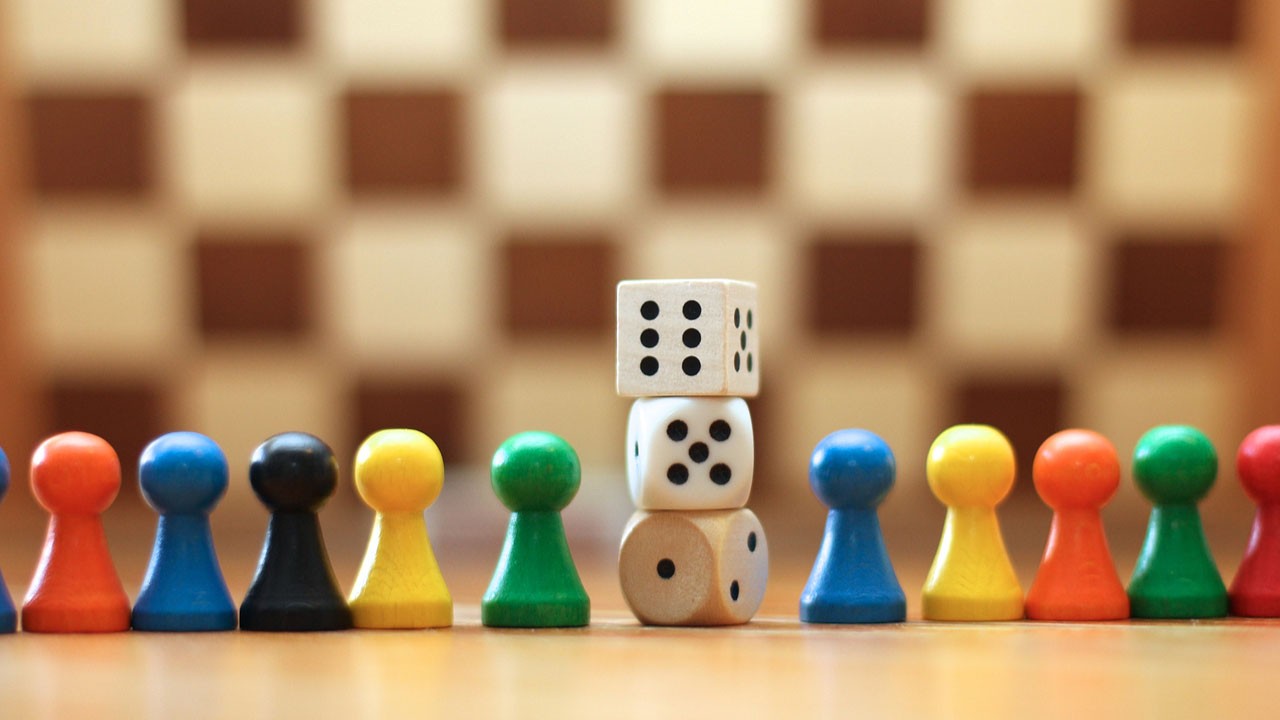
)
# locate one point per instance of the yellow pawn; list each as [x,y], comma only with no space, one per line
[971,469]
[399,474]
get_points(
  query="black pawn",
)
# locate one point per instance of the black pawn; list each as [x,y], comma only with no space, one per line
[294,588]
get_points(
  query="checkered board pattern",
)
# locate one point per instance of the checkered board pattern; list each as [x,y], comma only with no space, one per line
[340,215]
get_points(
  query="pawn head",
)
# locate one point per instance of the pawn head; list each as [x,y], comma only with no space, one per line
[183,472]
[851,469]
[1174,464]
[293,472]
[75,473]
[1076,469]
[970,466]
[4,473]
[1258,464]
[399,471]
[535,471]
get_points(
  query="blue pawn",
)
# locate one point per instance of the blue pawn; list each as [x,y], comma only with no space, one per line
[183,476]
[8,616]
[852,581]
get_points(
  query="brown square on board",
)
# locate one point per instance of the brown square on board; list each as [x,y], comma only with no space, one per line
[1182,23]
[1026,409]
[257,286]
[713,141]
[405,141]
[862,284]
[127,414]
[90,143]
[871,22]
[558,22]
[1167,285]
[1022,139]
[559,284]
[435,406]
[241,23]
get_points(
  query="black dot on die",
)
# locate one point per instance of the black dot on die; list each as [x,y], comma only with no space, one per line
[733,590]
[749,362]
[751,542]
[678,474]
[649,310]
[666,568]
[748,319]
[692,338]
[742,340]
[677,430]
[737,317]
[649,365]
[737,362]
[698,452]
[720,431]
[691,366]
[692,310]
[649,338]
[721,474]
[636,450]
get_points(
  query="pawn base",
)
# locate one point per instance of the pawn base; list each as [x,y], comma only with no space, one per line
[854,611]
[535,614]
[208,621]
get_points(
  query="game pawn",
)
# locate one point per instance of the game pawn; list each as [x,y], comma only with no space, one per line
[183,475]
[853,581]
[1255,590]
[1175,577]
[971,470]
[293,588]
[1076,472]
[399,473]
[8,615]
[75,476]
[535,584]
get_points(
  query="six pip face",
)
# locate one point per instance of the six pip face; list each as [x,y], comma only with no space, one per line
[687,337]
[686,453]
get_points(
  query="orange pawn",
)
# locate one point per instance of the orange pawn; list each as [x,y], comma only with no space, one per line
[1076,472]
[75,476]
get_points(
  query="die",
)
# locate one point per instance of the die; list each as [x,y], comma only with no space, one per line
[694,568]
[690,453]
[688,337]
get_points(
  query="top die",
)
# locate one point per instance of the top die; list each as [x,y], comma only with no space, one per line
[688,337]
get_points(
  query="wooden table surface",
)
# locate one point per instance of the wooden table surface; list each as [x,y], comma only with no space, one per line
[773,667]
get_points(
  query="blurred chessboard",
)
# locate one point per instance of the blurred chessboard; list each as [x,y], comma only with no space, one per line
[248,216]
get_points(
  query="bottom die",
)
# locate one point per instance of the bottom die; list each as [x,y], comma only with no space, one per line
[694,568]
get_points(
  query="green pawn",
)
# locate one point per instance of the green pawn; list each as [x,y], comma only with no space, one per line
[535,474]
[1174,466]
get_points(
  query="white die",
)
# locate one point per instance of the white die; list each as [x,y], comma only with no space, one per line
[688,337]
[686,453]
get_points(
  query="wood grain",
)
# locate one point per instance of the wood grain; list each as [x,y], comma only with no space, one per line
[16,402]
[1254,301]
[771,668]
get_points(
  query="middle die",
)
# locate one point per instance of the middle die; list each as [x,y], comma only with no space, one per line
[690,453]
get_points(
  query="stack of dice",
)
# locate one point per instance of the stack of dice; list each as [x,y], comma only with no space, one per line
[688,350]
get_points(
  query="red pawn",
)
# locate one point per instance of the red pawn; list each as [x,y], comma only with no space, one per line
[1076,472]
[1255,591]
[75,476]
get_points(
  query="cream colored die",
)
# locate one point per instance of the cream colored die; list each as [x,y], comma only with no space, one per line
[690,453]
[688,337]
[694,568]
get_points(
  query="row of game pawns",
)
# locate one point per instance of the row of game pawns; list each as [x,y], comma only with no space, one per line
[399,472]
